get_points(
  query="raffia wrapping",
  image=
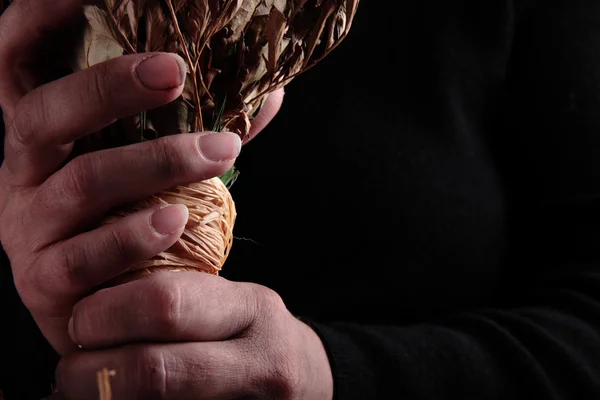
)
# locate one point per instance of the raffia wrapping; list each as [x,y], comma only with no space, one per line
[207,237]
[237,52]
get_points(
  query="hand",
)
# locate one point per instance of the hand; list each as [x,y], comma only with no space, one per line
[46,207]
[190,335]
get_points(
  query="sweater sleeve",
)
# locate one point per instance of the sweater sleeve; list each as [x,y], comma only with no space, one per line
[549,348]
[541,338]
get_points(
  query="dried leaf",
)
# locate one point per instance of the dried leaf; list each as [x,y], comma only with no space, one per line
[241,19]
[237,51]
[275,30]
[99,44]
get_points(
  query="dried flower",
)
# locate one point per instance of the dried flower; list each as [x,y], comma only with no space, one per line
[236,51]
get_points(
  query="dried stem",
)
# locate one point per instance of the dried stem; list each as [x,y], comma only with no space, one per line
[198,123]
[116,27]
[236,49]
[288,79]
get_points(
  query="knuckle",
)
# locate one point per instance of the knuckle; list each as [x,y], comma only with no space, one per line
[34,285]
[97,88]
[167,298]
[119,244]
[268,299]
[250,303]
[70,261]
[78,179]
[153,368]
[19,132]
[16,137]
[169,161]
[281,374]
[29,117]
[263,306]
[283,377]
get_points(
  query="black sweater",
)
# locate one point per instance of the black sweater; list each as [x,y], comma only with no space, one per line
[434,211]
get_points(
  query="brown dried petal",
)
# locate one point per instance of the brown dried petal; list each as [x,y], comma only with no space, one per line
[99,44]
[237,51]
[275,30]
[242,19]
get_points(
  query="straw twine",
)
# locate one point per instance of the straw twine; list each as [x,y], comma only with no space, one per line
[207,237]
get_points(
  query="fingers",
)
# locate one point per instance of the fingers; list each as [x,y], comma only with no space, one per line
[54,115]
[71,269]
[176,306]
[183,371]
[90,259]
[23,26]
[92,184]
[267,113]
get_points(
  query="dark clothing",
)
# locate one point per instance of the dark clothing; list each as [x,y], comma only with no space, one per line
[429,200]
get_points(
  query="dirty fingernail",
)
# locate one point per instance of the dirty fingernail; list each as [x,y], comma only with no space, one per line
[161,71]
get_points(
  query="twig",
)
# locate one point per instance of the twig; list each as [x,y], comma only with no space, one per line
[118,30]
[199,124]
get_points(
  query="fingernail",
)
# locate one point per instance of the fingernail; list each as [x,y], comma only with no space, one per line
[72,330]
[169,219]
[161,71]
[223,146]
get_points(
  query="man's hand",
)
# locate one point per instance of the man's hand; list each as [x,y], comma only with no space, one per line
[190,335]
[46,207]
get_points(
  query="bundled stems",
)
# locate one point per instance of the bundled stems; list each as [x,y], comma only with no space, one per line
[236,52]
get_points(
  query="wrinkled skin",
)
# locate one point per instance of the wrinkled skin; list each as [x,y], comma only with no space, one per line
[169,335]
